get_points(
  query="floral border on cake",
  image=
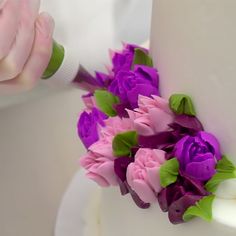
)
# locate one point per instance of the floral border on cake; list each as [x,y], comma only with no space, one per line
[154,149]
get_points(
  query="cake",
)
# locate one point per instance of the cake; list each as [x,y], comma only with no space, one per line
[193,48]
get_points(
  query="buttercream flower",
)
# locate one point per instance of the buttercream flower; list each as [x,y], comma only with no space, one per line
[114,126]
[143,174]
[198,155]
[103,79]
[152,116]
[123,60]
[183,125]
[99,162]
[89,101]
[88,126]
[178,197]
[128,85]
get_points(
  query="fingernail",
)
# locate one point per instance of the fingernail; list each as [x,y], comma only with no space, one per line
[45,25]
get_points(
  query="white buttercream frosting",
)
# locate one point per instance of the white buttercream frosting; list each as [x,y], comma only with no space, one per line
[121,217]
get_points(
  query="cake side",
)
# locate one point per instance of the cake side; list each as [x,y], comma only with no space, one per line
[193,47]
[121,217]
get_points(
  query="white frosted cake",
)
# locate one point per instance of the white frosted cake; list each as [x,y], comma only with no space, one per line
[193,44]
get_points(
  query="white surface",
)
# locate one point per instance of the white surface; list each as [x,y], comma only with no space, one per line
[225,212]
[120,216]
[39,154]
[193,45]
[76,207]
[84,212]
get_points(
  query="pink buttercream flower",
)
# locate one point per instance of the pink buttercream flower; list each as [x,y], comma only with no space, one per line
[99,161]
[152,116]
[89,101]
[114,126]
[143,174]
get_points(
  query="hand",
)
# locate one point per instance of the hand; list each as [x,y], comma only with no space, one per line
[25,44]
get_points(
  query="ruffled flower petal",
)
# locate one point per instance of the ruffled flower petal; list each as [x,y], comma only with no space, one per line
[145,193]
[213,142]
[107,171]
[153,179]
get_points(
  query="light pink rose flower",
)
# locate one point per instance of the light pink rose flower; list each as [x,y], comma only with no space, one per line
[99,161]
[114,126]
[143,174]
[152,116]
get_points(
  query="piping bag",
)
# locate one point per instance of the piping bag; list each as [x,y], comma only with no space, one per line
[64,68]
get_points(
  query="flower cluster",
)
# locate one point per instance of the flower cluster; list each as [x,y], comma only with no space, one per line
[152,148]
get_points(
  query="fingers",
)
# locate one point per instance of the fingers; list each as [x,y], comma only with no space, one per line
[14,62]
[9,19]
[38,60]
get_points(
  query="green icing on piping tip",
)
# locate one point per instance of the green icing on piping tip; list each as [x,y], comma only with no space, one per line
[56,60]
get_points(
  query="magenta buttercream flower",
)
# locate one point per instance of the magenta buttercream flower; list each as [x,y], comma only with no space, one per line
[143,174]
[152,116]
[88,126]
[128,85]
[123,60]
[198,155]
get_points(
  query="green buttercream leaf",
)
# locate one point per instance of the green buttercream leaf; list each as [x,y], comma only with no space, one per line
[122,143]
[225,170]
[213,183]
[169,172]
[202,209]
[142,58]
[56,60]
[225,165]
[182,104]
[105,101]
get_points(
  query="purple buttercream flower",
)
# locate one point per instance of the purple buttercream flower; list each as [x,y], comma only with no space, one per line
[84,80]
[178,197]
[198,155]
[87,126]
[182,126]
[128,85]
[103,79]
[123,60]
